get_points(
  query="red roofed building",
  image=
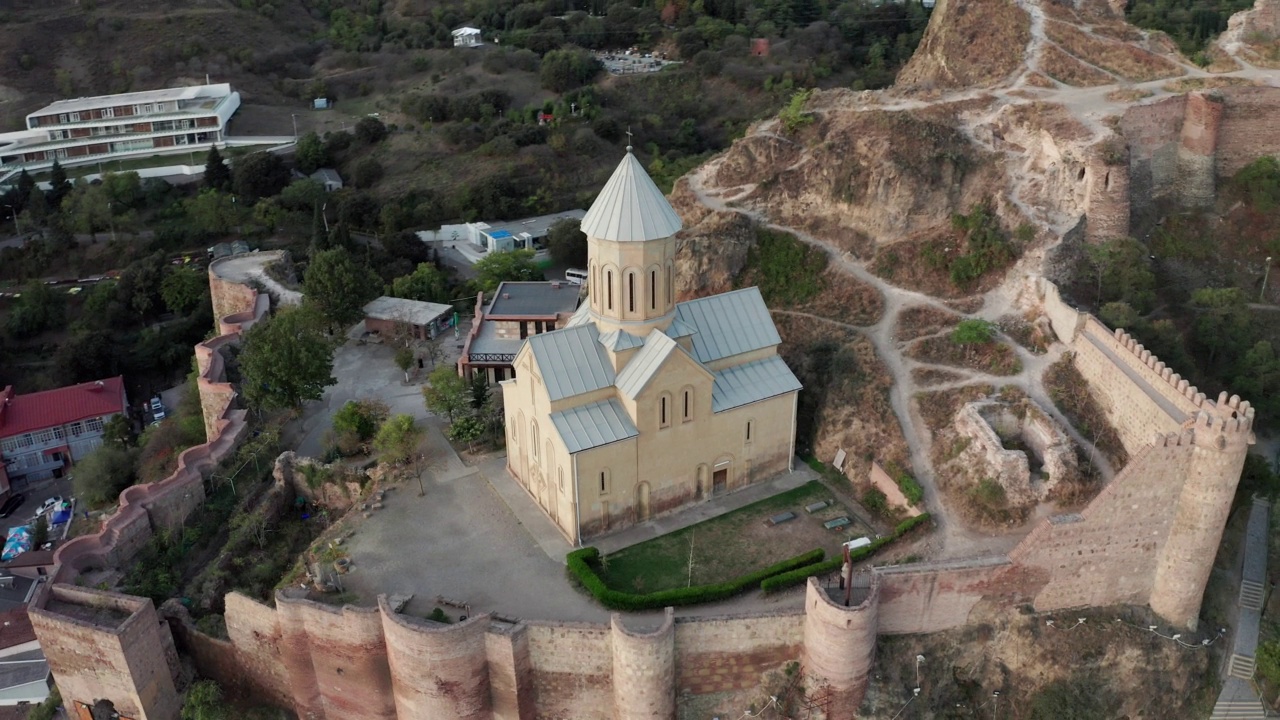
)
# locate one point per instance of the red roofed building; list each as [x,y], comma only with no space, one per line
[41,434]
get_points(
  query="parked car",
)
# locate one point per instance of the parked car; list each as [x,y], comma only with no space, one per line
[49,505]
[157,409]
[12,504]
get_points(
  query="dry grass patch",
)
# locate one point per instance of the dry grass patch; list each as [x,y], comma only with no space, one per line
[845,299]
[1039,80]
[993,357]
[1128,95]
[927,377]
[1049,116]
[1065,69]
[939,407]
[921,320]
[1070,393]
[977,43]
[1033,336]
[845,403]
[1262,50]
[1123,59]
[1201,83]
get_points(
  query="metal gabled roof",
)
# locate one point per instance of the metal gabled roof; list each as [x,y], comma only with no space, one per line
[618,340]
[571,361]
[728,324]
[630,207]
[592,425]
[677,330]
[645,364]
[750,382]
[580,317]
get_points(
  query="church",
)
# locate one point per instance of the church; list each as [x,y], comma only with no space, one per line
[640,405]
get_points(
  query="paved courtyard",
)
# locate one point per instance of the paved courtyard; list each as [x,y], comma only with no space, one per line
[476,536]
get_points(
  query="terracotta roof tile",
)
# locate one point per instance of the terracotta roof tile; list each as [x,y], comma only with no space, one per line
[36,411]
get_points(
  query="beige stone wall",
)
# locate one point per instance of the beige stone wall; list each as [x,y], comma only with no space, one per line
[437,670]
[720,654]
[644,671]
[1108,200]
[572,670]
[621,291]
[931,597]
[1141,397]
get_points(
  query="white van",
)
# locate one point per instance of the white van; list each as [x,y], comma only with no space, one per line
[576,276]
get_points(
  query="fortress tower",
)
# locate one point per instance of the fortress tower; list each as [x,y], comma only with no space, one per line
[644,671]
[840,642]
[1220,436]
[1198,147]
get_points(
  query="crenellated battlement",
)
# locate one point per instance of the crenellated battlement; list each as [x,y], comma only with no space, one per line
[1162,372]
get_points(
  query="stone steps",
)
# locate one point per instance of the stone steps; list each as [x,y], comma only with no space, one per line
[1238,710]
[1251,595]
[1241,667]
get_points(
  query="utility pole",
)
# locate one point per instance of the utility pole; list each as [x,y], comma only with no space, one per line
[17,230]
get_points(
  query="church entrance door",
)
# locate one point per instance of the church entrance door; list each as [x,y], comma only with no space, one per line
[719,481]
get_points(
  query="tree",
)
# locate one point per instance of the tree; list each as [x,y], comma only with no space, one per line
[118,431]
[303,195]
[88,207]
[568,68]
[973,332]
[567,243]
[204,702]
[397,440]
[468,430]
[123,190]
[40,533]
[499,267]
[183,289]
[259,175]
[338,287]
[404,360]
[104,473]
[1123,272]
[310,153]
[356,423]
[1222,323]
[286,359]
[39,309]
[59,186]
[480,390]
[447,393]
[426,283]
[217,176]
[367,173]
[211,212]
[370,130]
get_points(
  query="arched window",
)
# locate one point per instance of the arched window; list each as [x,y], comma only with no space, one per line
[631,291]
[560,477]
[664,410]
[604,481]
[609,288]
[593,287]
[686,410]
[671,283]
[653,289]
[533,432]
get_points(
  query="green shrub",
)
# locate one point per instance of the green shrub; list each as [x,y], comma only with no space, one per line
[787,270]
[579,567]
[785,580]
[875,501]
[907,484]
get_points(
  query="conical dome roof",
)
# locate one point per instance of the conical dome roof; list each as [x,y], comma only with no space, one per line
[630,207]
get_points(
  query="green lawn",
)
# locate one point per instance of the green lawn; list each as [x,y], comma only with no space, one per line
[730,545]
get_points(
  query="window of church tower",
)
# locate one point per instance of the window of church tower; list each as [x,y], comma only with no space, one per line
[671,284]
[609,288]
[653,289]
[631,292]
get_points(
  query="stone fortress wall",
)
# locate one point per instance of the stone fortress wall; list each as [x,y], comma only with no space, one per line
[1149,537]
[1179,148]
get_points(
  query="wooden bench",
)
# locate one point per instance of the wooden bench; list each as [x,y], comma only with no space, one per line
[837,523]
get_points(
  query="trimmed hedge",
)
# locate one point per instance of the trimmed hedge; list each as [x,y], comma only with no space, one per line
[579,566]
[799,575]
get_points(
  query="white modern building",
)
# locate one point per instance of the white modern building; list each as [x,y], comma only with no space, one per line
[526,234]
[467,37]
[109,127]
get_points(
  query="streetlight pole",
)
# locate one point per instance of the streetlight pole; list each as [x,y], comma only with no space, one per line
[14,211]
[1265,272]
[919,659]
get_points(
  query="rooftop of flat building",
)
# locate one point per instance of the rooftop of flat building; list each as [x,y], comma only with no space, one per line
[533,299]
[193,92]
[534,226]
[415,312]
